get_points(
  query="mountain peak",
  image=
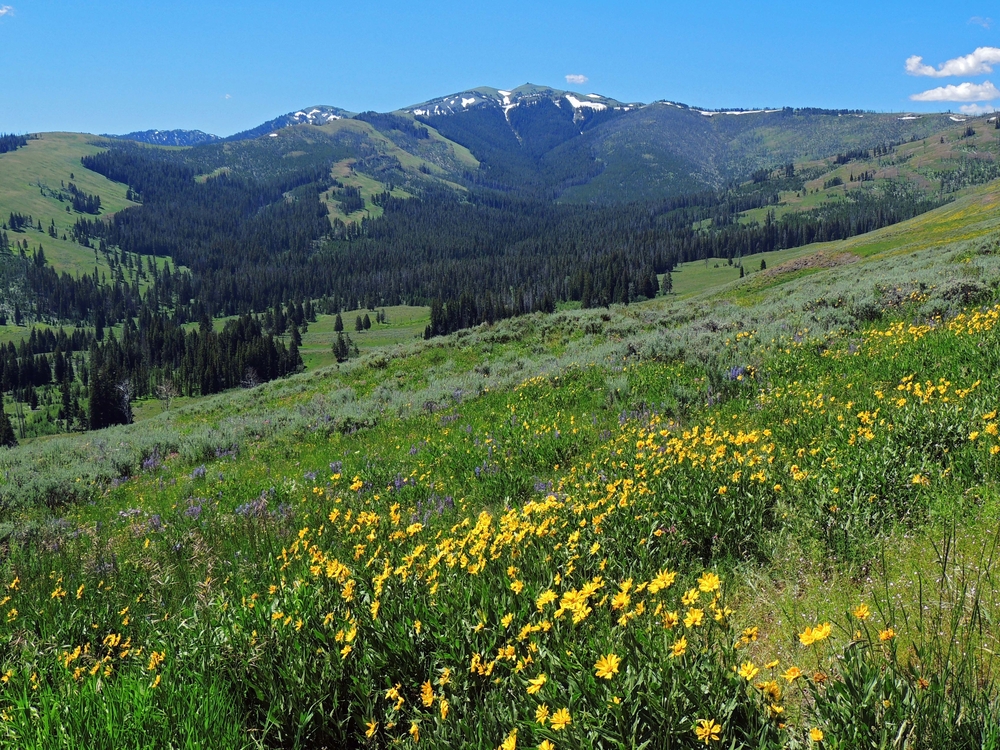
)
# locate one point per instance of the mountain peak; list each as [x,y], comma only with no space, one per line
[320,114]
[507,99]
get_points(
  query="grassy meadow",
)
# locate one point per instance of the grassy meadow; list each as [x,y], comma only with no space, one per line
[756,513]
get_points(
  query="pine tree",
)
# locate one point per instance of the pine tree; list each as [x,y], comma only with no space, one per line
[342,347]
[7,436]
[367,323]
[338,324]
[110,395]
[359,324]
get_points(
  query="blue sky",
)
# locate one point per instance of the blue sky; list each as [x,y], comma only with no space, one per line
[100,66]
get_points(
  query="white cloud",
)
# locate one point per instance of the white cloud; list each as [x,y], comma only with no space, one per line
[963,92]
[6,10]
[980,61]
[228,96]
[977,109]
[577,79]
[986,23]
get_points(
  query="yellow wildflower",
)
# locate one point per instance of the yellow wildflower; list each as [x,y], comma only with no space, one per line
[748,670]
[510,743]
[536,684]
[694,618]
[707,730]
[813,635]
[664,580]
[792,674]
[546,597]
[679,647]
[607,666]
[542,714]
[560,719]
[709,582]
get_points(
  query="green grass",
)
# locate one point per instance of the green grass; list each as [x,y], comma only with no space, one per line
[699,276]
[406,324]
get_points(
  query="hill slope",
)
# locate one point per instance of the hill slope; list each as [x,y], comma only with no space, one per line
[34,181]
[443,539]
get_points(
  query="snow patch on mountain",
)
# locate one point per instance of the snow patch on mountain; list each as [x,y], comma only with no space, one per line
[739,112]
[578,104]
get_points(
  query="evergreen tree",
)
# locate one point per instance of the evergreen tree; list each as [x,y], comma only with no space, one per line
[110,404]
[366,322]
[66,410]
[338,324]
[7,436]
[359,324]
[343,347]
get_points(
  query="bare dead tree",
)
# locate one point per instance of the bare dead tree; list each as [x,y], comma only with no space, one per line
[166,391]
[250,379]
[126,392]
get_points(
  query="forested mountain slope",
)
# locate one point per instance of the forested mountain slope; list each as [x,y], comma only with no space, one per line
[478,207]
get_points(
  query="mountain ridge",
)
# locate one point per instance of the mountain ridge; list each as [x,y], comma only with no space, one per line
[177,137]
[570,146]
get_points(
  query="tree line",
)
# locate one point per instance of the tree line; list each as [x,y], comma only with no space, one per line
[10,142]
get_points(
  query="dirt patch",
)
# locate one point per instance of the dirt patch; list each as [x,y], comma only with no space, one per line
[816,260]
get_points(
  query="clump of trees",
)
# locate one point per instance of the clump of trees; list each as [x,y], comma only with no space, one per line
[11,142]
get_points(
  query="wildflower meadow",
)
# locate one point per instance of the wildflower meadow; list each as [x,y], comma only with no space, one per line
[786,544]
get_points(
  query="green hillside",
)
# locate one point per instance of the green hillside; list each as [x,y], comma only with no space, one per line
[31,182]
[946,162]
[758,509]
